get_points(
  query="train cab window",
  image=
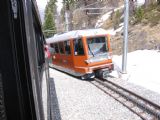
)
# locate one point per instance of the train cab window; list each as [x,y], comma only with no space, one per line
[97,45]
[78,47]
[61,47]
[67,47]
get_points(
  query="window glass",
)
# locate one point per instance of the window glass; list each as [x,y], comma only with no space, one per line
[78,47]
[39,47]
[61,47]
[97,45]
[67,47]
[52,48]
[56,48]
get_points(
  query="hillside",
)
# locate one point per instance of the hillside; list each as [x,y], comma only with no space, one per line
[144,32]
[144,22]
[144,25]
[140,37]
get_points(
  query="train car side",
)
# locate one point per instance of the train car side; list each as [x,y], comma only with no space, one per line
[23,67]
[75,55]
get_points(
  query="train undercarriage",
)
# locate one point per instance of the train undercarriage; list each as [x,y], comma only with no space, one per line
[98,73]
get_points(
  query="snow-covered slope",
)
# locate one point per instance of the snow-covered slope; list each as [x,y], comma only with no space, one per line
[143,68]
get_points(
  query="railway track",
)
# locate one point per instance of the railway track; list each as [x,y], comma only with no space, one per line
[144,108]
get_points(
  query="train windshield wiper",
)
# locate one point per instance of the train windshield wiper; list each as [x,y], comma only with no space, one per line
[91,51]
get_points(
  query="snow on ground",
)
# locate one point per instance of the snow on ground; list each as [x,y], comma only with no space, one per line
[106,16]
[143,68]
[102,19]
[140,2]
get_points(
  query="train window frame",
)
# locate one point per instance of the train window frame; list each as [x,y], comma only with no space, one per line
[61,47]
[76,41]
[67,52]
[106,42]
[39,42]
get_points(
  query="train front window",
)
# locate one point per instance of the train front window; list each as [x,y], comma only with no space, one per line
[97,45]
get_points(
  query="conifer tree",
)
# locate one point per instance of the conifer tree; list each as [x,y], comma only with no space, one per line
[49,21]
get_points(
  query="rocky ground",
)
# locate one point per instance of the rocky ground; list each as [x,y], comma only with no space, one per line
[76,99]
[140,37]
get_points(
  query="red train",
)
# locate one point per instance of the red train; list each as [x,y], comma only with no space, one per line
[84,53]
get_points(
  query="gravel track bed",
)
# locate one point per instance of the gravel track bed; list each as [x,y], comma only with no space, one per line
[80,100]
[148,94]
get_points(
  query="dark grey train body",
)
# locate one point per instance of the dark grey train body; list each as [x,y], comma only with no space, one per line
[23,66]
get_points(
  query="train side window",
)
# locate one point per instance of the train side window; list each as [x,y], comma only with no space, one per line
[39,47]
[56,48]
[67,47]
[78,47]
[52,48]
[61,47]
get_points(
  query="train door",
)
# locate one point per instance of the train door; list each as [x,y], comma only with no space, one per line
[79,54]
[61,55]
[55,53]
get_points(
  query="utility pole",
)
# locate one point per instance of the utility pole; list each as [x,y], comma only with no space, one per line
[125,40]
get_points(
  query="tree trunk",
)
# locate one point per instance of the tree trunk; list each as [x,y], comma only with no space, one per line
[131,7]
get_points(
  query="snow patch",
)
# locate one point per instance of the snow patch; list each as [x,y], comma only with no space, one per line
[102,19]
[140,2]
[106,16]
[142,69]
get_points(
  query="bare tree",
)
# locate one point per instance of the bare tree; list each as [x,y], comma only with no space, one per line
[131,6]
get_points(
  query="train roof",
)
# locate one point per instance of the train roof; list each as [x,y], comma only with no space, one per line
[76,34]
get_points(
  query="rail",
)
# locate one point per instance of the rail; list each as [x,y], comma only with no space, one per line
[144,108]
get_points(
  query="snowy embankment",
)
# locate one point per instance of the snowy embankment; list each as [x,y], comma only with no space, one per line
[143,68]
[106,16]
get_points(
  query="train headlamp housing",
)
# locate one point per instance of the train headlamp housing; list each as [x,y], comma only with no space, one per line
[92,60]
